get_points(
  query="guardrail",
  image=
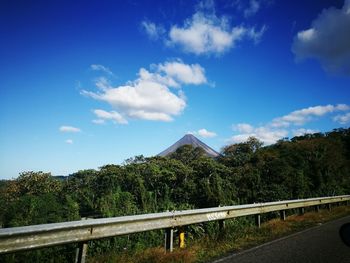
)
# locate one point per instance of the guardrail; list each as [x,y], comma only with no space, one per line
[37,236]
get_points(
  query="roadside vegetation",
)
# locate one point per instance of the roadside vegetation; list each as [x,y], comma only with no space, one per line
[239,234]
[307,166]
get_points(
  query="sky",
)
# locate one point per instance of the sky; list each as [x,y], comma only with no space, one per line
[89,83]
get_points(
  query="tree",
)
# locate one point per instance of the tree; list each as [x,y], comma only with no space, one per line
[187,153]
[238,154]
[34,183]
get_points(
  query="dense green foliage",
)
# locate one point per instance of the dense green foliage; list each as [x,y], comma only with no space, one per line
[307,166]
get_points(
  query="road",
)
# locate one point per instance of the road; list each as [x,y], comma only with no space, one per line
[316,245]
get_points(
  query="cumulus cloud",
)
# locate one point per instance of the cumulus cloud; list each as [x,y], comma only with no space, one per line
[243,127]
[282,127]
[69,129]
[342,119]
[302,116]
[264,133]
[180,72]
[205,32]
[327,40]
[152,30]
[149,97]
[97,67]
[106,115]
[204,133]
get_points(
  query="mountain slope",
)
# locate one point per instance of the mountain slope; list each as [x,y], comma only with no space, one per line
[191,140]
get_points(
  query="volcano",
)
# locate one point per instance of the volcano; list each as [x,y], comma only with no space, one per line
[190,139]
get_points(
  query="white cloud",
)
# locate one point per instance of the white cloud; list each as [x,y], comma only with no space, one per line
[243,127]
[307,35]
[149,96]
[69,129]
[206,33]
[152,30]
[265,134]
[327,40]
[187,74]
[141,98]
[112,115]
[69,141]
[302,116]
[174,74]
[278,127]
[342,119]
[252,9]
[302,131]
[144,74]
[204,133]
[103,83]
[97,67]
[151,116]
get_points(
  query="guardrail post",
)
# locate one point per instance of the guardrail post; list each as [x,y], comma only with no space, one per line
[182,237]
[258,220]
[221,225]
[329,207]
[317,208]
[169,237]
[301,211]
[283,215]
[81,251]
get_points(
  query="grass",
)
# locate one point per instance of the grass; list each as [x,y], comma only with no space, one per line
[239,234]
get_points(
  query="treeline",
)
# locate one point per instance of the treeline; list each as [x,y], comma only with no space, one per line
[306,166]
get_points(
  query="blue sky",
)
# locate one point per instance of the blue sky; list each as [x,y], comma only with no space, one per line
[88,83]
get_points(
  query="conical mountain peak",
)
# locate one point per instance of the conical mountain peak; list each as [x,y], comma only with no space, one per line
[190,139]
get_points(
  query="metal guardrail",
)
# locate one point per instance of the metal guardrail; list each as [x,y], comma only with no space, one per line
[37,236]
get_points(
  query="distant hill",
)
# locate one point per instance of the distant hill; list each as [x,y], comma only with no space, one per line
[60,177]
[190,139]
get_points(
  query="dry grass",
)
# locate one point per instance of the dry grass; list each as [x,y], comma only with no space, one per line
[152,255]
[207,248]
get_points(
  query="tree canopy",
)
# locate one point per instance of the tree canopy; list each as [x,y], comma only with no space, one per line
[305,166]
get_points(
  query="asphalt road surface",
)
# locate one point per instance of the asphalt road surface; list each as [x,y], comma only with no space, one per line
[315,245]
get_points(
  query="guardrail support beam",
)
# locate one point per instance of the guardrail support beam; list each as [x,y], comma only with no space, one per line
[81,252]
[169,237]
[329,207]
[301,211]
[258,220]
[221,225]
[317,208]
[283,215]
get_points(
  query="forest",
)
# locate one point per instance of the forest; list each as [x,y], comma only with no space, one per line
[312,165]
